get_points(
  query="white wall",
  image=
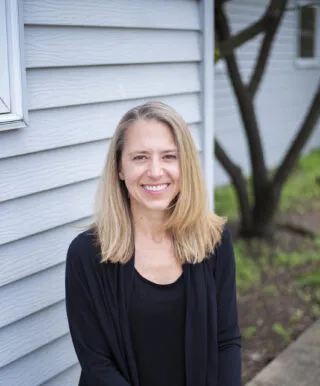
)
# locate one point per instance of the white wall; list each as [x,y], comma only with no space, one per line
[282,100]
[87,62]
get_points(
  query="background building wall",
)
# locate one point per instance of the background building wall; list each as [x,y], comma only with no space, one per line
[87,62]
[282,100]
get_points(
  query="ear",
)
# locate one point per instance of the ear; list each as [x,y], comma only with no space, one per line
[121,176]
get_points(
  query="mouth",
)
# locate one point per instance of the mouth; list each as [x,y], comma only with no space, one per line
[155,188]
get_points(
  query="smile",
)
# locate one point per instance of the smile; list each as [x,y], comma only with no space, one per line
[155,188]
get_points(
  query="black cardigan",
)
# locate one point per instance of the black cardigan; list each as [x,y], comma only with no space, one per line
[97,296]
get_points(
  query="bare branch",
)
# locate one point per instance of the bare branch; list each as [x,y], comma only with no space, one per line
[238,181]
[274,15]
[298,143]
[227,47]
[246,108]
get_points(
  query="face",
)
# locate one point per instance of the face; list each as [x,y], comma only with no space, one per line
[150,166]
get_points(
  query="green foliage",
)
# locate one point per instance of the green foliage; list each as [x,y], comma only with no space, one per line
[315,310]
[311,279]
[270,289]
[295,259]
[304,296]
[248,271]
[302,185]
[296,316]
[226,202]
[249,332]
[255,257]
[217,55]
[317,294]
[285,333]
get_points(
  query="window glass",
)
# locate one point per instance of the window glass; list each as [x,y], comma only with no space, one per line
[307,21]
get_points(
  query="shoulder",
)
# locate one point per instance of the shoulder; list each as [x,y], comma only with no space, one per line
[225,260]
[83,249]
[226,239]
[223,254]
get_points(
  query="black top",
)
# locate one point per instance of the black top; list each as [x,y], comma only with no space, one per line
[157,323]
[98,297]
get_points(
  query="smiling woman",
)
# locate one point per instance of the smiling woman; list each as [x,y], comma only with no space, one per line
[150,167]
[150,287]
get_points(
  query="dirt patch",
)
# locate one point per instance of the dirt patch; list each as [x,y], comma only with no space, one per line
[277,310]
[280,312]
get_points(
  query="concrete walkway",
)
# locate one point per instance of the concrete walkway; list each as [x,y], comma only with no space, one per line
[298,365]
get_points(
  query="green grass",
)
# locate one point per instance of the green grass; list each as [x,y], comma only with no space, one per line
[254,258]
[248,270]
[300,187]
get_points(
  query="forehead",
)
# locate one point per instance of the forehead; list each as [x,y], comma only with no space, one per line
[151,134]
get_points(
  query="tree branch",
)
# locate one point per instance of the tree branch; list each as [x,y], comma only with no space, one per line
[228,46]
[274,15]
[247,112]
[298,143]
[238,181]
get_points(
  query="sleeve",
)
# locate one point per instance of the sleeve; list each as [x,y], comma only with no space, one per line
[229,338]
[93,354]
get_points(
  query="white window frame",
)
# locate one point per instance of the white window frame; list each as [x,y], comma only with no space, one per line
[308,62]
[13,111]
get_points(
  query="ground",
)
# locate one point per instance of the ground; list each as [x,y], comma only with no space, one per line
[278,281]
[278,308]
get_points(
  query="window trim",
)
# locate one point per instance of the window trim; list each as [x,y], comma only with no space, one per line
[18,115]
[308,62]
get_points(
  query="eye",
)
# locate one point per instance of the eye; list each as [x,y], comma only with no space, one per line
[139,157]
[170,156]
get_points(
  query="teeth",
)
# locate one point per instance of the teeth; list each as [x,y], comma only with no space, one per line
[155,188]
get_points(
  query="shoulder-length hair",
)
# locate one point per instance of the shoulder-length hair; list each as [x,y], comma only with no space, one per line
[195,230]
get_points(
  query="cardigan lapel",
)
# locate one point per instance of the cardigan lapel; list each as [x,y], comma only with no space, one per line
[196,325]
[126,272]
[201,326]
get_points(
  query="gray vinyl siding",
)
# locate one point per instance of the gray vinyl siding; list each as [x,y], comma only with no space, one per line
[282,100]
[87,63]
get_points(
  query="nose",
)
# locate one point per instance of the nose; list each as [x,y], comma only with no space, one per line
[155,168]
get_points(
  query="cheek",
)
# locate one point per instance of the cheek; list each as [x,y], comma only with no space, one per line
[175,172]
[132,174]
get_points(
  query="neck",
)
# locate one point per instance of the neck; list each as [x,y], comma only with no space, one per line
[148,224]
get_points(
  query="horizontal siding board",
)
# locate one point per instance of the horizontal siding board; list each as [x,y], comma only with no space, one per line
[49,88]
[63,46]
[40,365]
[173,14]
[37,172]
[19,339]
[39,212]
[25,297]
[69,377]
[83,124]
[38,252]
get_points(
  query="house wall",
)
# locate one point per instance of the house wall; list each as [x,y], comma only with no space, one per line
[87,63]
[282,100]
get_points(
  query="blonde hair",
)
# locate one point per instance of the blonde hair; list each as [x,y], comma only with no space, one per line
[194,228]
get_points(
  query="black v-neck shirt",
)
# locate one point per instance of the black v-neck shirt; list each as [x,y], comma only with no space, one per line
[157,322]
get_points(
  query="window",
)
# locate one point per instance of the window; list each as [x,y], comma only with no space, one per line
[13,113]
[308,47]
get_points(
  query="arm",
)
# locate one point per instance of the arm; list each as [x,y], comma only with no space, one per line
[93,354]
[229,339]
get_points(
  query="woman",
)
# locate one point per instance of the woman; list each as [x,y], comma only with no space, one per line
[150,288]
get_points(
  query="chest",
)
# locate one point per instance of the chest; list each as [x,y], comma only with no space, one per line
[157,264]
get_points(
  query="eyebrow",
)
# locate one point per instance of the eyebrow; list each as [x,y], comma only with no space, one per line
[148,152]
